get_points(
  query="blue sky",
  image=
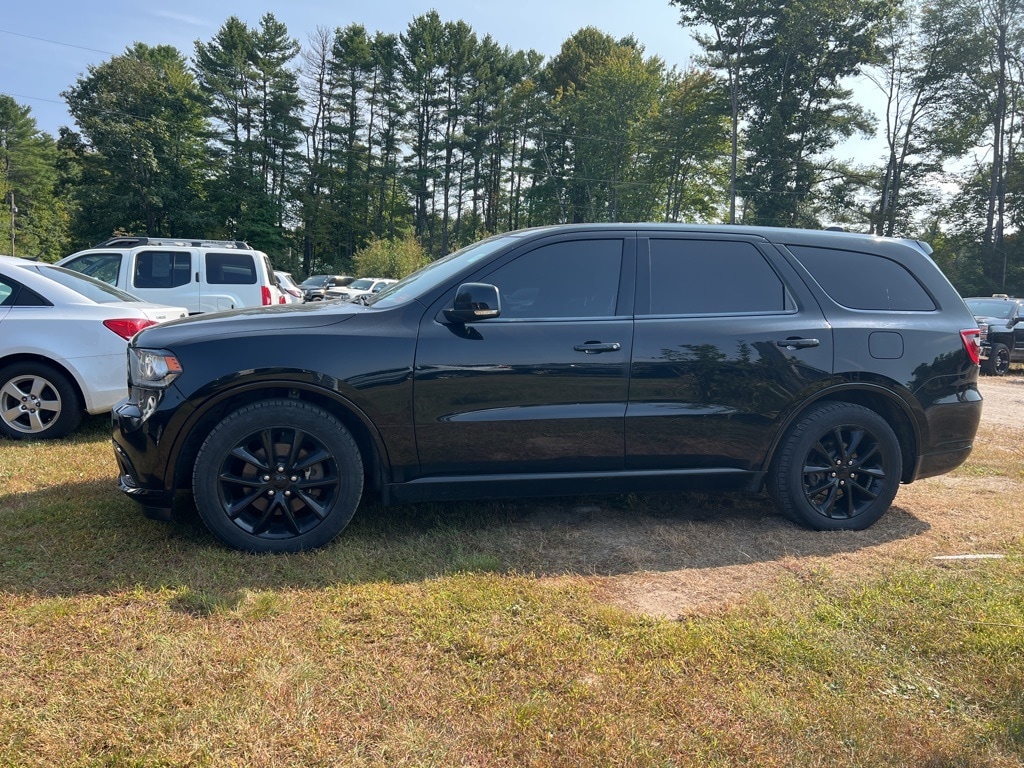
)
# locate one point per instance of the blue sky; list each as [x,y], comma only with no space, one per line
[35,71]
[45,46]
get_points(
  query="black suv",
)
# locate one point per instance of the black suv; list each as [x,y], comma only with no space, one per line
[315,287]
[1001,319]
[826,367]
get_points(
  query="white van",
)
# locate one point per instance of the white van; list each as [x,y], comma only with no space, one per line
[202,275]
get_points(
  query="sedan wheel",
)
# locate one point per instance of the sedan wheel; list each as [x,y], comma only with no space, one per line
[838,468]
[278,476]
[37,401]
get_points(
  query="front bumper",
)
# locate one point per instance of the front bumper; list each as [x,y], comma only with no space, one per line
[144,472]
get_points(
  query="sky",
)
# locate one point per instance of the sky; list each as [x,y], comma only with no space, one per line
[47,45]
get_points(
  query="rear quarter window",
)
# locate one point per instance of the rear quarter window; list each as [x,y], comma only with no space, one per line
[864,280]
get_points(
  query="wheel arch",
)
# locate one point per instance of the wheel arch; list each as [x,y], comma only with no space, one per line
[896,411]
[209,414]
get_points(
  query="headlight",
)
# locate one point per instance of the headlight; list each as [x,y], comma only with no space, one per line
[155,368]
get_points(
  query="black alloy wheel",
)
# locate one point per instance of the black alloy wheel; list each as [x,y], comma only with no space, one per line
[838,468]
[998,363]
[278,476]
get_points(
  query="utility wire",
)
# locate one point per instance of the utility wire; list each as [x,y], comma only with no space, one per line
[56,42]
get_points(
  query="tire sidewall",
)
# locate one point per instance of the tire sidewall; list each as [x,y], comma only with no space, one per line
[785,482]
[253,418]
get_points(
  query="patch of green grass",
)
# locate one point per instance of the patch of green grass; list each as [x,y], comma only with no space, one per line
[441,635]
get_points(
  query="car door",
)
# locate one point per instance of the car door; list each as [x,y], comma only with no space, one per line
[543,387]
[726,338]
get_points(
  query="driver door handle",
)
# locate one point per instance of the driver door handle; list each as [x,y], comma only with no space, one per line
[593,347]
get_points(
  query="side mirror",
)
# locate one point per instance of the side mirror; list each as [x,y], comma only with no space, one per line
[474,301]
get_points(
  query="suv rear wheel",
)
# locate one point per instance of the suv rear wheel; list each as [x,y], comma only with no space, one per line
[838,468]
[278,476]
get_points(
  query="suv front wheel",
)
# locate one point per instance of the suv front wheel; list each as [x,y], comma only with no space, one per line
[838,468]
[278,476]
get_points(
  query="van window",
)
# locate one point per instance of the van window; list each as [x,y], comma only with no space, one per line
[102,266]
[230,269]
[162,269]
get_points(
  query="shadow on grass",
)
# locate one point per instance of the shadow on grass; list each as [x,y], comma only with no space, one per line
[86,538]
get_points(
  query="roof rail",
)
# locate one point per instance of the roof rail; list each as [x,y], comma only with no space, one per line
[131,242]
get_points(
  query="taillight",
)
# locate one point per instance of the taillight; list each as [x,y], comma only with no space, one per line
[266,296]
[128,327]
[972,343]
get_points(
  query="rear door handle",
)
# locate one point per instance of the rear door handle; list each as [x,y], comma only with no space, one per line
[795,343]
[593,347]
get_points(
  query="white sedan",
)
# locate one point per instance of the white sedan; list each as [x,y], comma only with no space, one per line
[63,342]
[364,286]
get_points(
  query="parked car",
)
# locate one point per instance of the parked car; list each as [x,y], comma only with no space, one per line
[364,286]
[201,275]
[292,293]
[315,287]
[1001,319]
[825,366]
[63,337]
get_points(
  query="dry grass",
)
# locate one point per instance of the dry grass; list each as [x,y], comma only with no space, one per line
[682,629]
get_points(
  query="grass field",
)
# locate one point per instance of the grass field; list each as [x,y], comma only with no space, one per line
[673,630]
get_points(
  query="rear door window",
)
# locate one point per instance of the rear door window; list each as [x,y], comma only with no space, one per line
[162,269]
[711,277]
[230,269]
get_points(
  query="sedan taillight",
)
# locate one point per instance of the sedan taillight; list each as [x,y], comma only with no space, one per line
[129,326]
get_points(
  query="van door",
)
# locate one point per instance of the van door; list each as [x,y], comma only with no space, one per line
[231,280]
[165,276]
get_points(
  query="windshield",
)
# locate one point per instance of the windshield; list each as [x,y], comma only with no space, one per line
[316,281]
[437,272]
[90,287]
[992,307]
[362,284]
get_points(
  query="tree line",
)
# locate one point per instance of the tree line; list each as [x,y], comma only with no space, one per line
[322,151]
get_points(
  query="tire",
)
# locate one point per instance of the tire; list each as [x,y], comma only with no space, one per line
[37,401]
[838,468]
[998,362]
[301,499]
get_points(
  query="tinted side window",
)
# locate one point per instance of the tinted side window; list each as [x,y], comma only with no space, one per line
[102,266]
[572,279]
[162,269]
[863,280]
[14,294]
[230,269]
[700,277]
